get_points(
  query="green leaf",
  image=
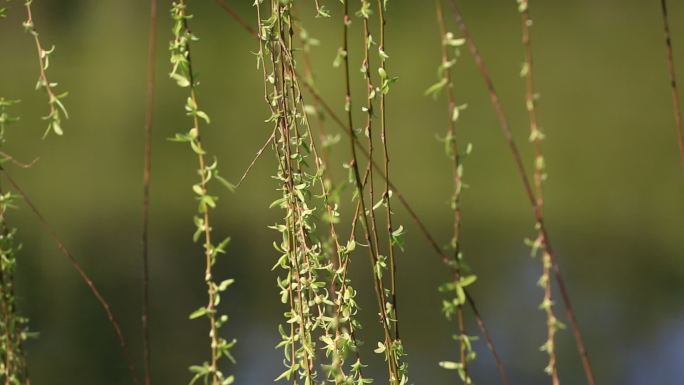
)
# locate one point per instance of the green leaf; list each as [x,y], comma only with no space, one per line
[225,183]
[225,284]
[382,73]
[57,128]
[197,147]
[198,313]
[204,116]
[435,89]
[450,365]
[182,81]
[467,280]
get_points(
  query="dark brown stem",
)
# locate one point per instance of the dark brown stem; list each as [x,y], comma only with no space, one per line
[147,172]
[673,82]
[84,276]
[508,135]
[236,16]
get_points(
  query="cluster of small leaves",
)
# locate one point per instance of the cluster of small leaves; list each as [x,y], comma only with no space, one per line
[345,309]
[5,118]
[3,10]
[321,10]
[300,260]
[451,308]
[13,327]
[322,305]
[208,372]
[544,282]
[461,367]
[57,110]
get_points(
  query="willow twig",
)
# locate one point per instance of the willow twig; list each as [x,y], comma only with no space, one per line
[508,135]
[81,271]
[673,81]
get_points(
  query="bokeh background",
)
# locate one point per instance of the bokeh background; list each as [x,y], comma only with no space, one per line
[615,191]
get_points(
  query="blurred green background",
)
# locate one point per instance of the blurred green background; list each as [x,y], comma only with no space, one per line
[615,204]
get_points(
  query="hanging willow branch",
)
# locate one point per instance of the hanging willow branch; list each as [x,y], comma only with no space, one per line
[673,81]
[182,72]
[536,137]
[55,104]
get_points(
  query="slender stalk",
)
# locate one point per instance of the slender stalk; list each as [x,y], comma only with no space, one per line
[236,16]
[673,81]
[545,241]
[373,246]
[536,136]
[147,171]
[387,194]
[451,139]
[370,96]
[81,272]
[207,246]
[183,73]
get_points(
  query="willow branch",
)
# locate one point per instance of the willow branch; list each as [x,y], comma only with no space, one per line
[81,271]
[508,135]
[673,81]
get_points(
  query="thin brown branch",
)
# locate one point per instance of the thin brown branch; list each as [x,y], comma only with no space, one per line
[258,155]
[673,81]
[5,157]
[147,172]
[508,135]
[81,271]
[236,17]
